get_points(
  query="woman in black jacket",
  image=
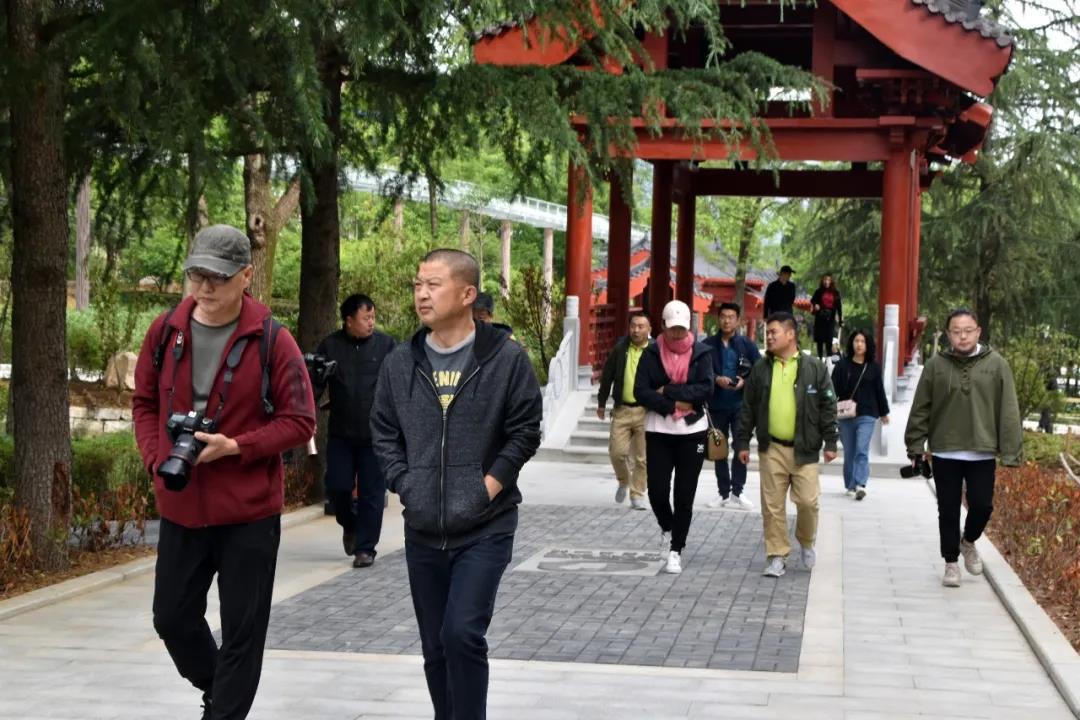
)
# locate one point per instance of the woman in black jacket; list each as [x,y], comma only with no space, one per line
[858,377]
[674,382]
[828,313]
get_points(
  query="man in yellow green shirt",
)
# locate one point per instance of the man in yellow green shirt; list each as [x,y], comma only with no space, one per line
[626,444]
[791,404]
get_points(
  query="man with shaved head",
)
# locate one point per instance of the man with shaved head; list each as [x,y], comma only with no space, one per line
[457,414]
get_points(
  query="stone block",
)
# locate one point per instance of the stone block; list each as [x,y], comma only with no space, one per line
[120,372]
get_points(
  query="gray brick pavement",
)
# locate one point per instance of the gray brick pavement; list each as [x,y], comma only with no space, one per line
[720,613]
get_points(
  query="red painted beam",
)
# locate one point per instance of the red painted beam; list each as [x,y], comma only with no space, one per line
[618,274]
[579,213]
[853,145]
[660,262]
[787,183]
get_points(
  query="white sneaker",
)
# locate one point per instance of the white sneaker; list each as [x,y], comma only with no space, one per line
[850,493]
[716,502]
[972,561]
[952,575]
[775,568]
[809,558]
[620,494]
[738,502]
[637,503]
[674,563]
[860,493]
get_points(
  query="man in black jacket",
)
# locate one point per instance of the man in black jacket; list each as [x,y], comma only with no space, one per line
[359,350]
[457,414]
[626,446]
[780,294]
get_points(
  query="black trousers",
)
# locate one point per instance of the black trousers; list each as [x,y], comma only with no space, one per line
[244,557]
[684,454]
[950,476]
[355,466]
[453,593]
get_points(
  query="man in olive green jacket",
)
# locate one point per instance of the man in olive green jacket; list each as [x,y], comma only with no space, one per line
[963,417]
[789,400]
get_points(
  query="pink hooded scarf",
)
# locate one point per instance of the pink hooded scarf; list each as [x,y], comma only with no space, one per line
[675,357]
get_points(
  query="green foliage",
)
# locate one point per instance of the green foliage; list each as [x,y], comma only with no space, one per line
[105,462]
[1044,449]
[1036,361]
[524,312]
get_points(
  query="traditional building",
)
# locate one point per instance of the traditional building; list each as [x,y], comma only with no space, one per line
[908,78]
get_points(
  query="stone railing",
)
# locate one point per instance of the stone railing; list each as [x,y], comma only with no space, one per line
[563,368]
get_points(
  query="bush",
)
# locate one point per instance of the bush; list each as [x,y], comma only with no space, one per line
[1035,523]
[1036,362]
[1045,449]
[103,463]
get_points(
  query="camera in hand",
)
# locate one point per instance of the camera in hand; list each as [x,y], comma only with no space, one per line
[918,466]
[176,470]
[320,368]
[744,368]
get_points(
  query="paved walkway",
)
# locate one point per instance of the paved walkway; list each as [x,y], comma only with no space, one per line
[877,635]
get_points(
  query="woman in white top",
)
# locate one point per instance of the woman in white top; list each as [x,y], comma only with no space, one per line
[674,382]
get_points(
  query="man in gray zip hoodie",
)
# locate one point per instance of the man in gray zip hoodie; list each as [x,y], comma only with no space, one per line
[457,414]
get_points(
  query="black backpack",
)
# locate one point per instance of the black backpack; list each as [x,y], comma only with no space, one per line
[266,350]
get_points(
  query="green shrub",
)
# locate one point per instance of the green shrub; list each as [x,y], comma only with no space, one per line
[1045,449]
[83,340]
[106,462]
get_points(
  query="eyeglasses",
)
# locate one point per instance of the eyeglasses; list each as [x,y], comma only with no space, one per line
[198,277]
[963,332]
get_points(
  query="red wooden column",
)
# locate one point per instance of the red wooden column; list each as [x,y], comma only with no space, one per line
[660,238]
[895,246]
[916,241]
[579,251]
[619,256]
[684,260]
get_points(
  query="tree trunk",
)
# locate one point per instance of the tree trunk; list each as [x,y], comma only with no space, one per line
[433,208]
[320,263]
[39,389]
[746,239]
[82,245]
[265,219]
[465,231]
[506,232]
[549,273]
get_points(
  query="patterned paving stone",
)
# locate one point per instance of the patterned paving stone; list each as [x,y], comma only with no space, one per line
[720,613]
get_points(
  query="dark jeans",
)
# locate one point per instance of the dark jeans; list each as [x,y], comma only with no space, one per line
[453,594]
[349,466]
[684,454]
[950,476]
[729,481]
[244,558]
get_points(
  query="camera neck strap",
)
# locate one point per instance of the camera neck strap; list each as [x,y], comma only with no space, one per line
[231,362]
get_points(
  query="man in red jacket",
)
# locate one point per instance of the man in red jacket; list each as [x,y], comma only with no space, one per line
[226,519]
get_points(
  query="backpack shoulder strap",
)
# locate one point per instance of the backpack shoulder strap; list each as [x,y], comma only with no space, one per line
[163,340]
[266,355]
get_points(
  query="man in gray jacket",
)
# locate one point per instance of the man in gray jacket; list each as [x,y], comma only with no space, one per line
[457,414]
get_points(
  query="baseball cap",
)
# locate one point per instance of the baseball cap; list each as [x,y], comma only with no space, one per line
[787,269]
[220,249]
[676,314]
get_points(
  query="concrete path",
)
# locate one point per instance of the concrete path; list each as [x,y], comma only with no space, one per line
[881,638]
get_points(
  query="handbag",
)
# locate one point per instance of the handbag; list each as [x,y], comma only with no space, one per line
[716,444]
[845,409]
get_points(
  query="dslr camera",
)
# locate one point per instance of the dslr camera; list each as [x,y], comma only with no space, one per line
[744,367]
[918,466]
[320,368]
[176,470]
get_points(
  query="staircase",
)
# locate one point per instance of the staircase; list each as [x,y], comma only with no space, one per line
[588,443]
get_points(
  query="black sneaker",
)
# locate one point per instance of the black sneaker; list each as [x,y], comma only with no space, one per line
[348,541]
[207,703]
[363,560]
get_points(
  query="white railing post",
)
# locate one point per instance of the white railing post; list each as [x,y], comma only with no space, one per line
[563,368]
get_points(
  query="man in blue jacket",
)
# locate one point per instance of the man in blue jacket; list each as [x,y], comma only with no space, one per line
[733,356]
[457,414]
